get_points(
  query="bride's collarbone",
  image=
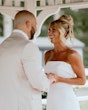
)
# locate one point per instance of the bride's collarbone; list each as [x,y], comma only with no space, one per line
[60,56]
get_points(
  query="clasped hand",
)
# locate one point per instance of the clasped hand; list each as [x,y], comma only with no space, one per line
[52,77]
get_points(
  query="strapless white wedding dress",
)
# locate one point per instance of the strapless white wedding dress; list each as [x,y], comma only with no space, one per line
[61,95]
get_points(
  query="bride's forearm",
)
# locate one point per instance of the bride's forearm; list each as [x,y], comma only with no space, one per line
[74,81]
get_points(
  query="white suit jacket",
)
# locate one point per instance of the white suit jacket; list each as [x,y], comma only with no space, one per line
[21,75]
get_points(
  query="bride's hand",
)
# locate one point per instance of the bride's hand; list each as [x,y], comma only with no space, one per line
[56,77]
[50,76]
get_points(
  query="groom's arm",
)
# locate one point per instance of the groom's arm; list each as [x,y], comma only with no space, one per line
[32,63]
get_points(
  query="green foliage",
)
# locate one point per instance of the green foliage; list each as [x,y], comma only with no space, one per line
[80,21]
[44,30]
[80,18]
[44,95]
[1,25]
[86,56]
[22,4]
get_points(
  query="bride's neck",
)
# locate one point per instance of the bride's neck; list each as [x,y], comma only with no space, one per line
[60,48]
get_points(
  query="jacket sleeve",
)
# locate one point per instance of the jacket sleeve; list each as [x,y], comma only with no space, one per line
[32,64]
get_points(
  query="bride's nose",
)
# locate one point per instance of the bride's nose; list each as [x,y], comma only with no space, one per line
[50,32]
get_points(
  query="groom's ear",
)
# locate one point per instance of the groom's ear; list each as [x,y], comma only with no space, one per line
[28,24]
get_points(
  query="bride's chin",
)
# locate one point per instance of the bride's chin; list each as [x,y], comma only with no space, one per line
[51,40]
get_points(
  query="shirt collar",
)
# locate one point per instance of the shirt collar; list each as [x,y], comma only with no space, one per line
[23,33]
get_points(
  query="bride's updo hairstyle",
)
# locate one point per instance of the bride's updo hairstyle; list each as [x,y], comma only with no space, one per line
[65,26]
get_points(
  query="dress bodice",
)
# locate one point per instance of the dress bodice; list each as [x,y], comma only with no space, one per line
[61,95]
[60,68]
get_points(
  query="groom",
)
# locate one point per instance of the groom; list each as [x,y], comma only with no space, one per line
[21,75]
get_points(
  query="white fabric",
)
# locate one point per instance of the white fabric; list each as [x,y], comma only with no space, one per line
[21,75]
[21,32]
[61,95]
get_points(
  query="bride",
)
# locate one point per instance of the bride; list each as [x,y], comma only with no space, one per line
[66,66]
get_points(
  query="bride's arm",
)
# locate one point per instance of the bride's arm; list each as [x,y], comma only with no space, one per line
[78,68]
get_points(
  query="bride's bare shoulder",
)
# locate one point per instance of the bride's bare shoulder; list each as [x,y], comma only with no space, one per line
[47,54]
[74,56]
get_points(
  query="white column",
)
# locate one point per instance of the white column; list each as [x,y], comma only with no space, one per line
[0,2]
[42,2]
[8,25]
[17,3]
[67,1]
[30,5]
[8,2]
[57,15]
[50,2]
[58,2]
[74,1]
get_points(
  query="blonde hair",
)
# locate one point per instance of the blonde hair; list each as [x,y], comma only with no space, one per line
[64,24]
